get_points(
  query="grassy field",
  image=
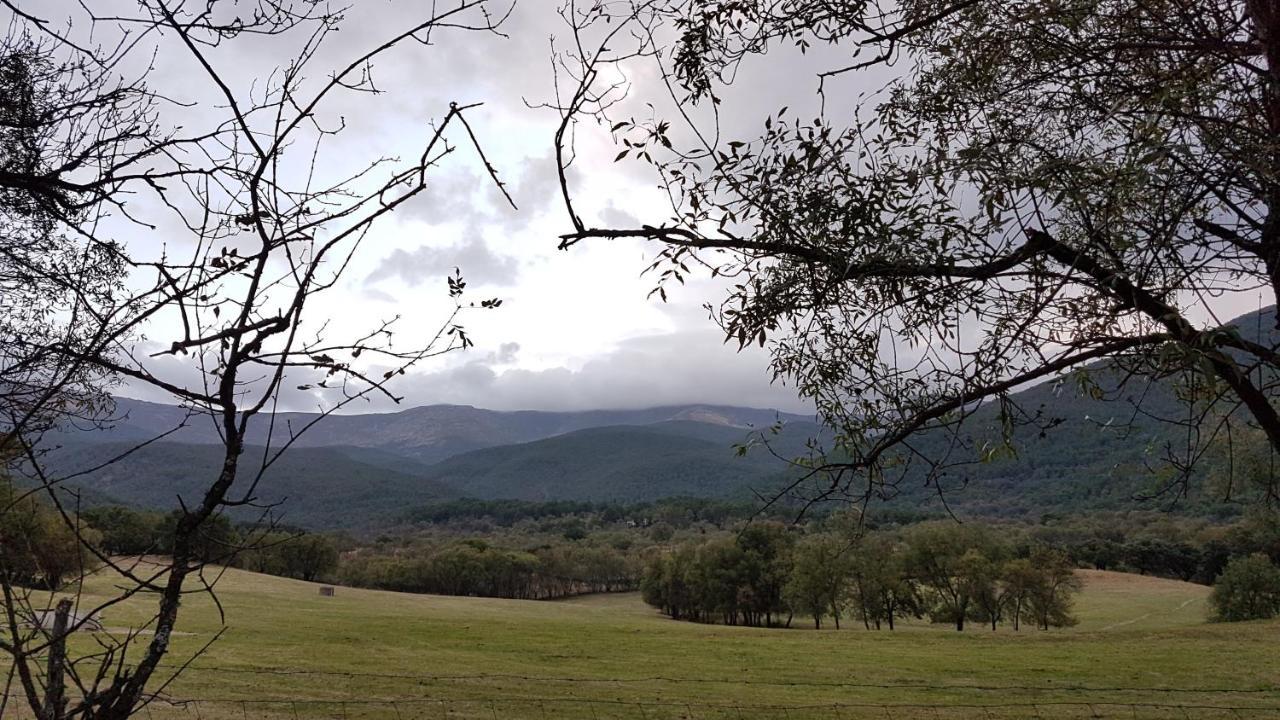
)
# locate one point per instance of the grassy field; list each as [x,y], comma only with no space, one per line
[1140,641]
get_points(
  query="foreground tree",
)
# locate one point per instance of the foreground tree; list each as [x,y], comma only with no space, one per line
[1041,186]
[64,128]
[236,228]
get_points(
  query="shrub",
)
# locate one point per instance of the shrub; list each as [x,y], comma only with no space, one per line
[1248,589]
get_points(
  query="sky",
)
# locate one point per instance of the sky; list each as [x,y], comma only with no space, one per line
[577,328]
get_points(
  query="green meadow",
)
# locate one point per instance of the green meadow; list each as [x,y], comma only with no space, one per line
[1142,649]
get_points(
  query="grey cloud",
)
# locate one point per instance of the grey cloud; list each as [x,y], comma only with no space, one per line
[537,186]
[466,198]
[477,261]
[689,367]
[676,368]
[614,217]
[506,353]
[454,196]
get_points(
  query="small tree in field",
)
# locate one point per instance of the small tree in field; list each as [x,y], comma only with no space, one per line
[980,574]
[1248,589]
[879,587]
[1018,577]
[1052,590]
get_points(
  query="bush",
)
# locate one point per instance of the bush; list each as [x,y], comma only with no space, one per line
[1248,589]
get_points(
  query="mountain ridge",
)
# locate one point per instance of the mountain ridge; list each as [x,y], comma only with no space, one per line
[1080,462]
[427,433]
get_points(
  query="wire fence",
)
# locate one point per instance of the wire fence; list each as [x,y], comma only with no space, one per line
[275,694]
[529,708]
[421,678]
[603,709]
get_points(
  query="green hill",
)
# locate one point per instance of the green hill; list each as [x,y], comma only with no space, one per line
[623,464]
[357,487]
[1082,454]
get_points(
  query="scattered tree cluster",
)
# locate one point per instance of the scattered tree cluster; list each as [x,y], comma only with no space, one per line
[305,557]
[951,573]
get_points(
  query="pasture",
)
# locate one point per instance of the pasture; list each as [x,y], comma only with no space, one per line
[1142,649]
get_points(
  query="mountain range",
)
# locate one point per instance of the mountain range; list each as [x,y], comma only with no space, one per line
[358,470]
[362,470]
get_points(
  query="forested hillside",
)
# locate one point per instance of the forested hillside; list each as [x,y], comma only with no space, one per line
[314,487]
[622,464]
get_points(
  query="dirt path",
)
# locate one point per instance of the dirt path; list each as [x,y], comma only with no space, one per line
[1144,616]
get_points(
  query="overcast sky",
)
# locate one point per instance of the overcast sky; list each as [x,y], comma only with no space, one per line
[577,329]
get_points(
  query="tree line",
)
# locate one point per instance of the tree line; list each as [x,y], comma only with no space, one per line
[765,576]
[475,567]
[762,573]
[677,511]
[40,549]
[1160,544]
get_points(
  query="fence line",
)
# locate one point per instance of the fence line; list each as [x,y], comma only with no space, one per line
[546,708]
[481,677]
[503,707]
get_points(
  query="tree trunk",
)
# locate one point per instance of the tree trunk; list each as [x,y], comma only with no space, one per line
[55,699]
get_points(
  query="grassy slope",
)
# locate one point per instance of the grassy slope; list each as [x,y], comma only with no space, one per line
[1134,632]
